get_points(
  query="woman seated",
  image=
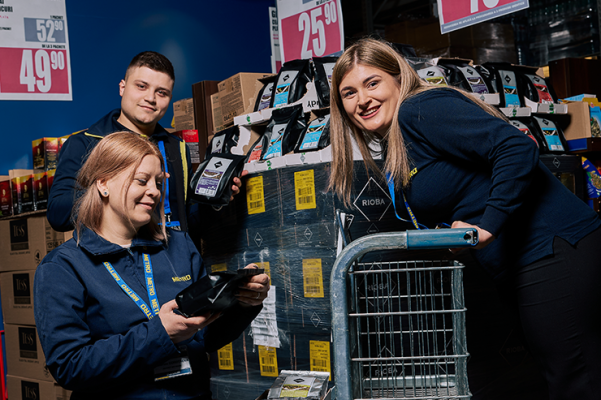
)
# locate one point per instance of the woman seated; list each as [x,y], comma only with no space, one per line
[104,301]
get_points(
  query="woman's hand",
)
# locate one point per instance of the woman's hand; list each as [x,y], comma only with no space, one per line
[484,237]
[253,292]
[180,328]
[237,185]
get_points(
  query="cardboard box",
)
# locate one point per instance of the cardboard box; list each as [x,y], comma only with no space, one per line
[45,152]
[22,194]
[6,199]
[16,289]
[237,95]
[580,121]
[40,191]
[20,388]
[24,242]
[183,114]
[216,115]
[190,136]
[24,355]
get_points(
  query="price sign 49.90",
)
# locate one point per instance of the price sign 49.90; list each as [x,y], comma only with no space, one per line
[312,33]
[33,71]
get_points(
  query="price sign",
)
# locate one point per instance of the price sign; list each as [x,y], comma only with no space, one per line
[455,14]
[309,28]
[34,51]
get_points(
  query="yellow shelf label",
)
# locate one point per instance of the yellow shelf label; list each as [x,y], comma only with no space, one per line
[268,361]
[225,356]
[304,187]
[319,355]
[255,195]
[312,277]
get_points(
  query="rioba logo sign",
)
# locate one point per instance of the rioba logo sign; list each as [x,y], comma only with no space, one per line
[372,201]
[454,14]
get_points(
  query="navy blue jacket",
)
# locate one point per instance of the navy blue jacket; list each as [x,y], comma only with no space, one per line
[75,152]
[470,166]
[96,340]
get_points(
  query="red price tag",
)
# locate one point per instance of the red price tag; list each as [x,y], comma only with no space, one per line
[33,71]
[313,33]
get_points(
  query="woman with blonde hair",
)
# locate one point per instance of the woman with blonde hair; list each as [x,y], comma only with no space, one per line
[452,159]
[104,301]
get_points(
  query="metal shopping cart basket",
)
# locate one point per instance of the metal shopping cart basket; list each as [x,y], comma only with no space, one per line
[399,327]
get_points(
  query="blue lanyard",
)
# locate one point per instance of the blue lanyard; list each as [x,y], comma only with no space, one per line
[152,294]
[167,205]
[390,182]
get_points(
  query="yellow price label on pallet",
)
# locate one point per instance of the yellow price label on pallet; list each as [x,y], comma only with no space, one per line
[268,361]
[319,355]
[304,187]
[312,277]
[225,357]
[255,195]
[219,267]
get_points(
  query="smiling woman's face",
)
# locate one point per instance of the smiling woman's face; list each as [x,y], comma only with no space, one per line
[369,96]
[138,203]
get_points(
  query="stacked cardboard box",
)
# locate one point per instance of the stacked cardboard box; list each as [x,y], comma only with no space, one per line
[23,244]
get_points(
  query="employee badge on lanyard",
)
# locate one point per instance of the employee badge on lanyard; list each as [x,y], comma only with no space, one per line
[175,366]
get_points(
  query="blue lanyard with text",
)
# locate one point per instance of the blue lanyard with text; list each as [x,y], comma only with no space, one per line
[167,205]
[152,294]
[390,182]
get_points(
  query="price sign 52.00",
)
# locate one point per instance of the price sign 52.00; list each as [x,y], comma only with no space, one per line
[39,71]
[313,33]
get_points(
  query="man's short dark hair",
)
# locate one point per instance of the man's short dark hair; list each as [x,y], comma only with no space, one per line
[153,60]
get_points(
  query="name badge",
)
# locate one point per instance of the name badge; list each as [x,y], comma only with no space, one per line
[174,367]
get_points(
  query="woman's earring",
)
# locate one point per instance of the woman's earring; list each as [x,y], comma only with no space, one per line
[106,193]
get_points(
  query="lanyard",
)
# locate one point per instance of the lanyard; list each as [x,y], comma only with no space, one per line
[152,294]
[390,182]
[167,205]
[409,211]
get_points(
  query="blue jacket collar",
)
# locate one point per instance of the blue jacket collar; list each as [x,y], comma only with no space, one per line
[109,124]
[96,245]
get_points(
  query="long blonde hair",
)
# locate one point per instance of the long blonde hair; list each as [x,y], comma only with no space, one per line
[114,154]
[377,54]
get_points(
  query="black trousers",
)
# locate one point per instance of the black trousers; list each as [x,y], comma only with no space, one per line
[559,303]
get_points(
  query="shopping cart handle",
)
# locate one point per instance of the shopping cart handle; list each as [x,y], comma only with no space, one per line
[442,238]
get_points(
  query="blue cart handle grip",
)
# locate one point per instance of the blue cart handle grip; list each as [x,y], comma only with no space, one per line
[442,238]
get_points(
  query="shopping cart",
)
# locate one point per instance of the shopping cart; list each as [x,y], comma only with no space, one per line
[399,327]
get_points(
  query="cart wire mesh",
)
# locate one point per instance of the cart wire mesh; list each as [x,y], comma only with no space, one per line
[403,334]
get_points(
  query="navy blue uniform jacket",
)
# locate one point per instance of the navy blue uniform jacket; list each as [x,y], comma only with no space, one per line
[470,166]
[75,152]
[96,340]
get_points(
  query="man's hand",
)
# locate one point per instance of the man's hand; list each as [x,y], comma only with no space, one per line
[237,184]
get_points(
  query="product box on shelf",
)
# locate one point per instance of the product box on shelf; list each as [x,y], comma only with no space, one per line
[24,355]
[45,152]
[25,241]
[6,201]
[20,388]
[190,137]
[203,116]
[183,114]
[50,178]
[16,289]
[581,125]
[22,193]
[61,142]
[237,95]
[40,191]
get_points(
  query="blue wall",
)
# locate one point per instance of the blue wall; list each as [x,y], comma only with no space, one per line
[205,40]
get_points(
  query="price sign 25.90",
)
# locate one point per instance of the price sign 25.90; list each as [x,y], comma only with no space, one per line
[313,33]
